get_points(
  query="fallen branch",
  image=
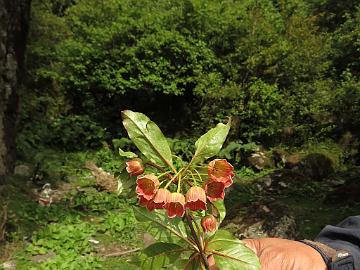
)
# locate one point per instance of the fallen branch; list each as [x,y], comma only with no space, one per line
[121,253]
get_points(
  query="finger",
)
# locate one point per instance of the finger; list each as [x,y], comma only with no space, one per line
[253,244]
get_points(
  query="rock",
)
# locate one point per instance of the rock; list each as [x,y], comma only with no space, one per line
[272,219]
[317,166]
[9,265]
[103,179]
[292,161]
[259,160]
[349,190]
[267,180]
[23,170]
[43,257]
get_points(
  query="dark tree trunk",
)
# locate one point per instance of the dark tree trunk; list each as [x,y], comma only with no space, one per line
[14,21]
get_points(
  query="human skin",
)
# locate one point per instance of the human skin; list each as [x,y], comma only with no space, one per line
[282,254]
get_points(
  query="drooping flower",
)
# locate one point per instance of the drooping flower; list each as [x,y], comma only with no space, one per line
[159,199]
[135,167]
[209,223]
[214,190]
[175,205]
[196,199]
[143,201]
[147,186]
[220,170]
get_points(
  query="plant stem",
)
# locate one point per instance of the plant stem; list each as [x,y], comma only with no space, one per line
[193,178]
[197,241]
[173,178]
[179,184]
[165,173]
[199,175]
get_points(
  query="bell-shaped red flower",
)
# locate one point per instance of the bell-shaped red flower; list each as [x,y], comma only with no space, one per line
[175,205]
[220,170]
[134,167]
[159,199]
[143,201]
[209,223]
[214,190]
[195,199]
[147,186]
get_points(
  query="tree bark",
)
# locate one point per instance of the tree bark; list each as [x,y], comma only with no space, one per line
[14,21]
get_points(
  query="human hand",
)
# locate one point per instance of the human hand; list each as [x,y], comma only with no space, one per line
[282,254]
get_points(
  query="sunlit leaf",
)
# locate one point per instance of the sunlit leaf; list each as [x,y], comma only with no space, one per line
[127,154]
[161,228]
[230,253]
[209,144]
[148,137]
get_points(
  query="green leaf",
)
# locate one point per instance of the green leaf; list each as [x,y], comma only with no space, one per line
[161,255]
[148,137]
[218,210]
[161,248]
[230,253]
[127,154]
[162,227]
[209,144]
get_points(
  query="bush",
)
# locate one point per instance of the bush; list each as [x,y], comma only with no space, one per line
[76,132]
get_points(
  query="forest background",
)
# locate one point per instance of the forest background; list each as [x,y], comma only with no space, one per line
[286,71]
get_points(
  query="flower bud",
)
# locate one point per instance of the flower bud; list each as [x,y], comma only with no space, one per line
[134,167]
[209,223]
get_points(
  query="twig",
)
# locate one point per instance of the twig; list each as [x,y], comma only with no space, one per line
[121,253]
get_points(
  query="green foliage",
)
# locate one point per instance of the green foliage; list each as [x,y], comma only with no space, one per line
[272,65]
[98,201]
[75,132]
[69,242]
[60,237]
[115,222]
[236,149]
[182,147]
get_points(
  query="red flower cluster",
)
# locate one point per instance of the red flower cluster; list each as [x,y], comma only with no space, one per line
[174,203]
[220,174]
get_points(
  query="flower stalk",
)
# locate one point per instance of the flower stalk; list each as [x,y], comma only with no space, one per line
[197,240]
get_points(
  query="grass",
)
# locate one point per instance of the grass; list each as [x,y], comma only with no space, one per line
[57,237]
